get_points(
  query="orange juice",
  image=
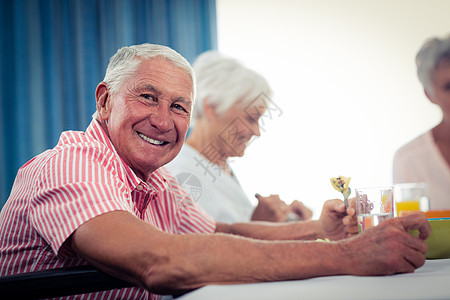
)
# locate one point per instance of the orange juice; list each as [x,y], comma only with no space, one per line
[409,205]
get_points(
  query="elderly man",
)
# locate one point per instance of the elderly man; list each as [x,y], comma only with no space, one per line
[100,197]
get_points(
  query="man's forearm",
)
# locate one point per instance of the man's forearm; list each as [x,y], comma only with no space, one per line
[124,246]
[228,259]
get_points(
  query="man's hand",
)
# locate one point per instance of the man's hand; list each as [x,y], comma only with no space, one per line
[388,248]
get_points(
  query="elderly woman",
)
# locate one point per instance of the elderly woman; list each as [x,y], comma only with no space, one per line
[230,100]
[427,157]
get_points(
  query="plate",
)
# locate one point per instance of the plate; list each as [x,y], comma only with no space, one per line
[445,213]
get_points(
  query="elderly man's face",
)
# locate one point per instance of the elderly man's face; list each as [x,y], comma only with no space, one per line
[147,119]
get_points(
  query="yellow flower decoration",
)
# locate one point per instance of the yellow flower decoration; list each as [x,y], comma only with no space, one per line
[340,184]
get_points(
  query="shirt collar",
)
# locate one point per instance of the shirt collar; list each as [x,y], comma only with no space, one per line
[157,179]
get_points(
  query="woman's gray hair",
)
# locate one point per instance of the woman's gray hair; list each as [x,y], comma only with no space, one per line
[427,59]
[125,62]
[222,81]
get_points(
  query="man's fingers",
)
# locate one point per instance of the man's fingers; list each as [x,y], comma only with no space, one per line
[417,221]
[416,244]
[415,258]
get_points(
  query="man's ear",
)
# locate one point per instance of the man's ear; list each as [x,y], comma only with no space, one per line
[103,98]
[429,96]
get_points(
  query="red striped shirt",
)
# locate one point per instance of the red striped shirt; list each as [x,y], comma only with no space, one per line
[79,179]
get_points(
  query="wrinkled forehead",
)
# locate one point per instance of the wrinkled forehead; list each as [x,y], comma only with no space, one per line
[186,69]
[166,74]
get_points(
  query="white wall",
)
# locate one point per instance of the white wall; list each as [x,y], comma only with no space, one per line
[344,77]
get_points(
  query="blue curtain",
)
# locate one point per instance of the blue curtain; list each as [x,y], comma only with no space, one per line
[53,53]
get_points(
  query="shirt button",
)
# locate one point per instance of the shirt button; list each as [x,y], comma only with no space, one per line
[139,187]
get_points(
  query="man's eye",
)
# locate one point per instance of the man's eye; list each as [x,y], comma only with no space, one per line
[179,107]
[149,97]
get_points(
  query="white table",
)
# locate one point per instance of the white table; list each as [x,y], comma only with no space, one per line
[431,281]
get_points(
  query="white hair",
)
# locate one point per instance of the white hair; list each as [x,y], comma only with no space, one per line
[125,62]
[427,59]
[222,81]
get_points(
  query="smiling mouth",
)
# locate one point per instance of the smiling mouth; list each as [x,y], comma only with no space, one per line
[152,141]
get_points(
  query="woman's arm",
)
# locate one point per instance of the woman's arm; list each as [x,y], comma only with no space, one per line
[334,223]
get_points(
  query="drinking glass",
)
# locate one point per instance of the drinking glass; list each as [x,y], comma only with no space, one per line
[373,206]
[410,197]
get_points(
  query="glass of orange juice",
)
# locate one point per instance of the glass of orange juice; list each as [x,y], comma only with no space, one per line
[409,197]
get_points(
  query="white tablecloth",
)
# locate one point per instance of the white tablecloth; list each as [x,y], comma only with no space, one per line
[431,281]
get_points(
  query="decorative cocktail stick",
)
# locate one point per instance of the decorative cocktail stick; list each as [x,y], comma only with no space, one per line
[341,185]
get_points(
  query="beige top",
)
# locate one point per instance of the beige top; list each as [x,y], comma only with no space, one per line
[421,161]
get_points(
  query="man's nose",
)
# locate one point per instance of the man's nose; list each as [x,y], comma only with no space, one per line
[161,119]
